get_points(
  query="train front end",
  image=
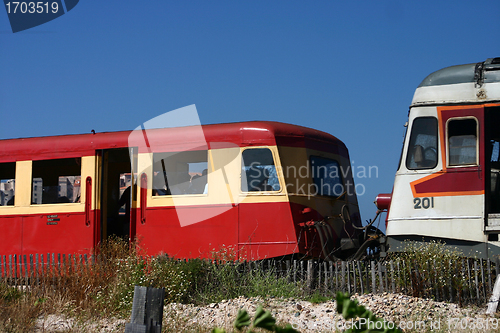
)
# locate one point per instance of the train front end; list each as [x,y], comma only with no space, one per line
[321,193]
[446,187]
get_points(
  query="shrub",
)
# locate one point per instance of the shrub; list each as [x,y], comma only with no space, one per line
[424,259]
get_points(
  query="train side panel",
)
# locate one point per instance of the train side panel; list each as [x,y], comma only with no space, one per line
[236,197]
[31,226]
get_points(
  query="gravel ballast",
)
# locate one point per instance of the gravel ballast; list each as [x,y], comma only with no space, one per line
[409,313]
[403,311]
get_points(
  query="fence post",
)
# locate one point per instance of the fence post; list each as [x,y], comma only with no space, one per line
[374,283]
[37,273]
[493,302]
[318,271]
[436,281]
[15,270]
[330,264]
[468,281]
[325,269]
[337,276]
[289,273]
[478,295]
[295,271]
[482,281]
[386,285]
[310,275]
[348,279]
[489,274]
[380,280]
[41,266]
[25,269]
[393,288]
[400,281]
[147,310]
[32,274]
[3,267]
[354,277]
[343,276]
[302,270]
[407,274]
[360,277]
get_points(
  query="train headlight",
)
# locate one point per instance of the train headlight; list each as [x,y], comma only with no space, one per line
[383,201]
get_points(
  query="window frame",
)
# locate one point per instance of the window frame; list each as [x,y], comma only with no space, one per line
[400,163]
[409,147]
[33,165]
[276,167]
[447,139]
[341,178]
[170,195]
[14,179]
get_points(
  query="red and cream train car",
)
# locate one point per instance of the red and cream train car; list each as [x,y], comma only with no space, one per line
[262,189]
[447,186]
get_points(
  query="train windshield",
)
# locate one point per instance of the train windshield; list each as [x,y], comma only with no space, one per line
[422,150]
[258,171]
[326,175]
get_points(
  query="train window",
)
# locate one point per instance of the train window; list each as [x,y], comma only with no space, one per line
[258,171]
[180,173]
[326,175]
[7,183]
[462,142]
[402,150]
[422,150]
[56,181]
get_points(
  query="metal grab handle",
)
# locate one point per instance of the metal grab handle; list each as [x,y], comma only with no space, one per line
[144,192]
[88,200]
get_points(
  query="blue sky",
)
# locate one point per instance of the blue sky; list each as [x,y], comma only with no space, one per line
[348,68]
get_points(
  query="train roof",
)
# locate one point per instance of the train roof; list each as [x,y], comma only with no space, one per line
[254,133]
[462,84]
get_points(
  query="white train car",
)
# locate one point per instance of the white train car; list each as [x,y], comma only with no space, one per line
[447,186]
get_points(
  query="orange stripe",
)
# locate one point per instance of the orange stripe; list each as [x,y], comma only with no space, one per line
[447,194]
[421,180]
[461,107]
[438,194]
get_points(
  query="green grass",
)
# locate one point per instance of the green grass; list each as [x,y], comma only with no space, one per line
[317,297]
[105,290]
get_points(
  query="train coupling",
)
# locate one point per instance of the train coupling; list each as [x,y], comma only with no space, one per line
[383,248]
[348,244]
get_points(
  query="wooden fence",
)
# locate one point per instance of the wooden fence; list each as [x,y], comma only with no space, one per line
[469,281]
[465,281]
[25,270]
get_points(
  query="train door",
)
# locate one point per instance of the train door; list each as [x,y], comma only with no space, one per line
[463,156]
[116,193]
[492,166]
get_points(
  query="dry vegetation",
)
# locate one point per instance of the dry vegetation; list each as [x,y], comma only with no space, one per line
[99,297]
[91,294]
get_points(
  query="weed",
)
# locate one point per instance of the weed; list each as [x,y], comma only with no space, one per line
[365,319]
[422,261]
[262,319]
[317,298]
